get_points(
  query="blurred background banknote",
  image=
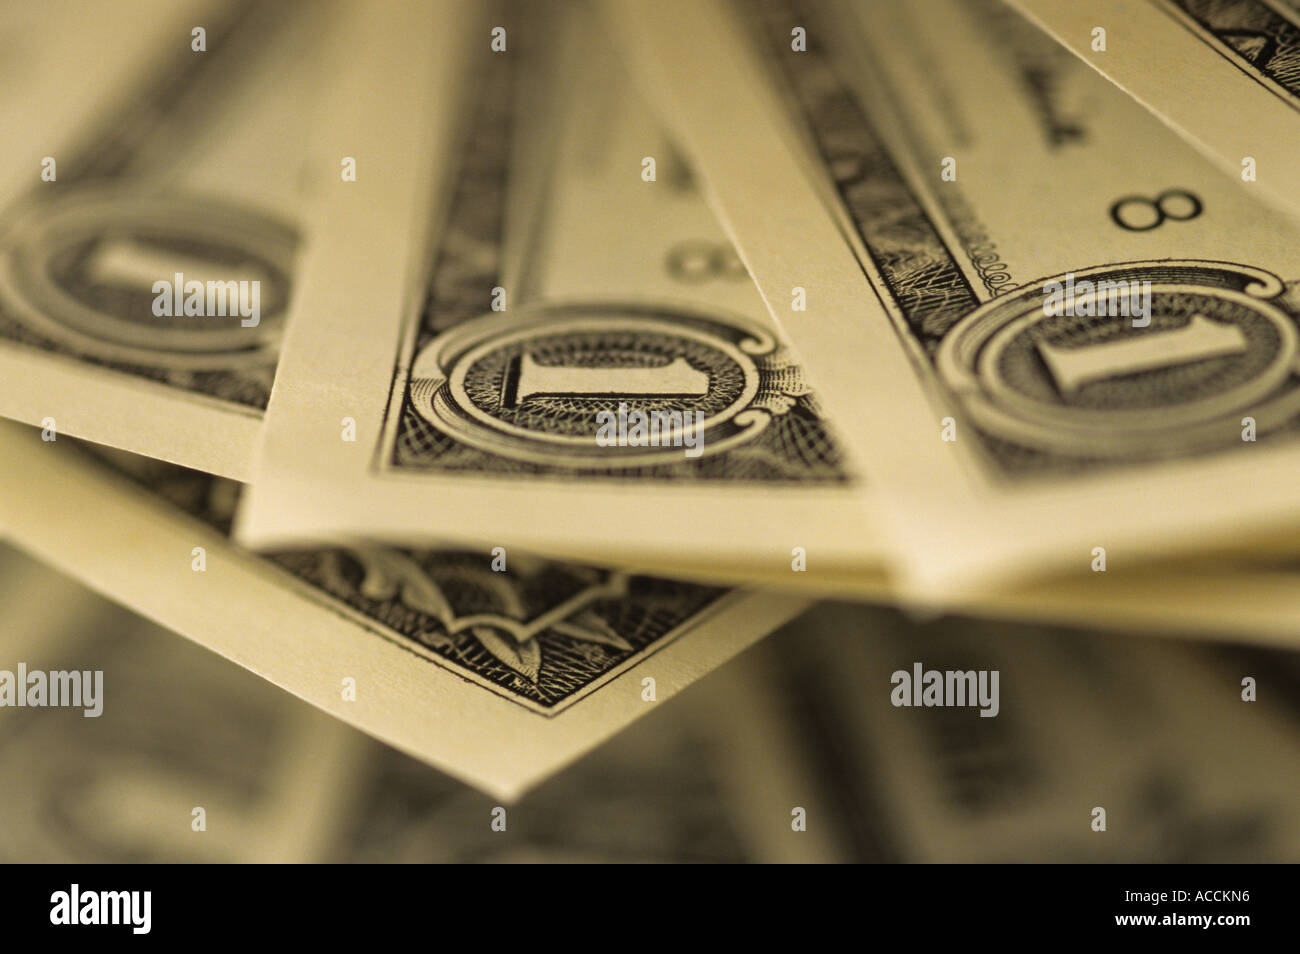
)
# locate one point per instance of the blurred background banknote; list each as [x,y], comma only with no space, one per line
[490,405]
[156,163]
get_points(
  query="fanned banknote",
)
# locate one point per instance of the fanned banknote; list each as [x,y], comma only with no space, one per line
[481,383]
[425,428]
[498,672]
[1223,73]
[184,170]
[1043,353]
[178,730]
[1155,733]
[191,759]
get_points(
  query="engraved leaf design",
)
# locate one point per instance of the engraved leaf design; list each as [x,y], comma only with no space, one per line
[510,639]
[389,574]
[590,628]
[524,658]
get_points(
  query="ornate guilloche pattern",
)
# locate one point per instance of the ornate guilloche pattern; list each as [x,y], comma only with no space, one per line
[536,631]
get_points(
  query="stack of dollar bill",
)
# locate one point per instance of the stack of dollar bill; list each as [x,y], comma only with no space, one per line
[486,373]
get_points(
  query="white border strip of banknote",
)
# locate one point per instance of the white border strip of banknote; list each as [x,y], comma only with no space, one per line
[951,524]
[1227,598]
[133,415]
[352,321]
[137,549]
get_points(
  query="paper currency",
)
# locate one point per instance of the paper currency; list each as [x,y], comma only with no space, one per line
[1231,597]
[590,236]
[194,760]
[1153,732]
[919,259]
[1223,73]
[146,265]
[498,668]
[180,730]
[488,375]
[576,287]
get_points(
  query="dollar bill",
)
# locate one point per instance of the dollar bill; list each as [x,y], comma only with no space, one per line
[194,760]
[935,188]
[1222,73]
[498,669]
[190,759]
[1233,597]
[58,78]
[149,245]
[574,279]
[1153,732]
